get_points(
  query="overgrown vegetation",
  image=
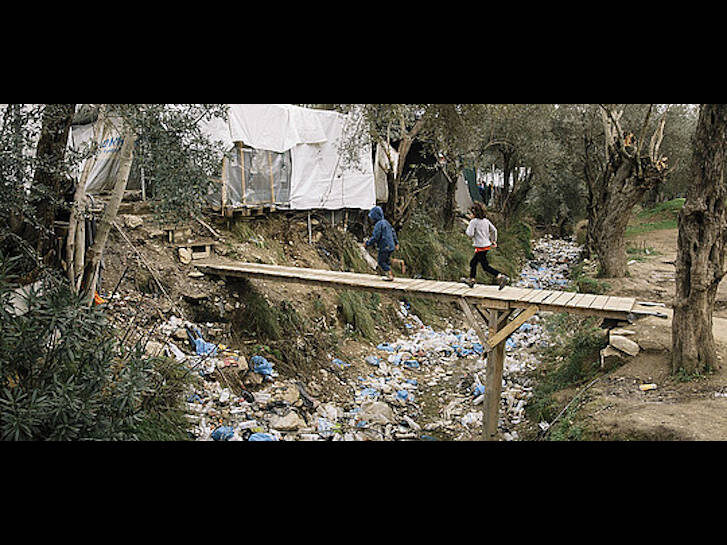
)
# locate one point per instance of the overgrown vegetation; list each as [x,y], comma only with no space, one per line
[64,375]
[439,254]
[661,216]
[583,282]
[570,361]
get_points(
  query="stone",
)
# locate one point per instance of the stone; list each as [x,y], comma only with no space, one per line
[376,412]
[154,348]
[180,334]
[290,394]
[622,332]
[624,345]
[611,358]
[290,422]
[185,256]
[132,222]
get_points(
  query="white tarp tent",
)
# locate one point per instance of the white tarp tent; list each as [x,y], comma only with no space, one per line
[106,162]
[320,178]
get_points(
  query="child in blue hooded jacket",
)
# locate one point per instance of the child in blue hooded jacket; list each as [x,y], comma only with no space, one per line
[384,236]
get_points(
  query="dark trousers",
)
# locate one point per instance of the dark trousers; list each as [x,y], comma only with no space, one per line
[385,260]
[481,258]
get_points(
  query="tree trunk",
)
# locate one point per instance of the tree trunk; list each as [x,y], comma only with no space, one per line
[95,252]
[700,251]
[50,153]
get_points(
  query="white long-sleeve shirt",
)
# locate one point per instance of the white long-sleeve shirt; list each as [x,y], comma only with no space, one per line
[482,232]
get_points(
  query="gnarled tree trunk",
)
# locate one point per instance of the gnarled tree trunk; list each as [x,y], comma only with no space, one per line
[615,186]
[700,251]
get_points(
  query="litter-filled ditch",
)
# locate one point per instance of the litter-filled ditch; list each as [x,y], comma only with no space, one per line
[425,385]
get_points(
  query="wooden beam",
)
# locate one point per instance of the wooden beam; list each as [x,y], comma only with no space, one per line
[506,331]
[493,383]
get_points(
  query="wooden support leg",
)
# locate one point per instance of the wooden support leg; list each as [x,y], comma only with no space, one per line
[493,372]
[493,383]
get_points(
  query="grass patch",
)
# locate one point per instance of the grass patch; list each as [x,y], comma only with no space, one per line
[571,359]
[445,255]
[359,309]
[583,283]
[662,216]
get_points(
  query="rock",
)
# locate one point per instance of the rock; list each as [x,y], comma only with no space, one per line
[620,331]
[132,222]
[185,256]
[290,394]
[154,348]
[180,334]
[624,345]
[376,412]
[290,422]
[611,358]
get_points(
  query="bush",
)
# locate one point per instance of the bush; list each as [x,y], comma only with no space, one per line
[64,376]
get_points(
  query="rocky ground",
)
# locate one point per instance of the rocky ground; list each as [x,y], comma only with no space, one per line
[424,385]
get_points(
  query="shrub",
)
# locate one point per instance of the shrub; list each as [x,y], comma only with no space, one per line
[64,375]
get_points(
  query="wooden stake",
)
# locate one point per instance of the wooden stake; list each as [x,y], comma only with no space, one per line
[223,191]
[272,188]
[493,384]
[242,163]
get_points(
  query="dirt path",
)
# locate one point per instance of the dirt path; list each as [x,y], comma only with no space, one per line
[675,410]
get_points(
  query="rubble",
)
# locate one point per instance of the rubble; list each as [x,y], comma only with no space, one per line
[425,385]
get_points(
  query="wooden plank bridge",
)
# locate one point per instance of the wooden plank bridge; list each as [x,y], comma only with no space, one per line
[505,310]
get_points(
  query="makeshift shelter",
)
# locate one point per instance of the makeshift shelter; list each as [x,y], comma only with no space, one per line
[290,157]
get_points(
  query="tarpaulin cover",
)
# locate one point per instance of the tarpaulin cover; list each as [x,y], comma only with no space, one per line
[106,163]
[318,175]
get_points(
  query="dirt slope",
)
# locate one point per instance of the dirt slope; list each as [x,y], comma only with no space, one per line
[694,410]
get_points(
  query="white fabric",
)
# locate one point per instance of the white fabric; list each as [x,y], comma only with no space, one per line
[321,180]
[382,165]
[312,137]
[462,197]
[106,162]
[274,127]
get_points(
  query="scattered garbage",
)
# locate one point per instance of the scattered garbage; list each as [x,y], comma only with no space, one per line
[388,388]
[647,387]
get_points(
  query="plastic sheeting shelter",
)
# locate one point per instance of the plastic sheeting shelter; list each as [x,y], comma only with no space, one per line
[290,157]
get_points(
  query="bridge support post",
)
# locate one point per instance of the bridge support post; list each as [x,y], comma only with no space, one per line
[493,381]
[493,372]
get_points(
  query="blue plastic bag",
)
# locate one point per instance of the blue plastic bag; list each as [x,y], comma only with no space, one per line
[223,433]
[386,346]
[262,437]
[261,365]
[340,363]
[479,389]
[402,394]
[373,360]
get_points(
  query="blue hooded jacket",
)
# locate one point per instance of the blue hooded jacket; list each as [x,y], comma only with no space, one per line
[384,235]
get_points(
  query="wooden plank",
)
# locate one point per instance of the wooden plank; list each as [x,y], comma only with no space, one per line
[619,304]
[506,331]
[574,302]
[598,302]
[534,293]
[562,298]
[586,301]
[545,294]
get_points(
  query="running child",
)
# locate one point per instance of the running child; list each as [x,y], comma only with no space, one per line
[384,236]
[484,238]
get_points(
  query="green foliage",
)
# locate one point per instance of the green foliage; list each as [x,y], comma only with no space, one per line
[359,309]
[583,283]
[445,255]
[571,359]
[63,375]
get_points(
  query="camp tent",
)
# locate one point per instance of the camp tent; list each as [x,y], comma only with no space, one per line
[291,157]
[275,153]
